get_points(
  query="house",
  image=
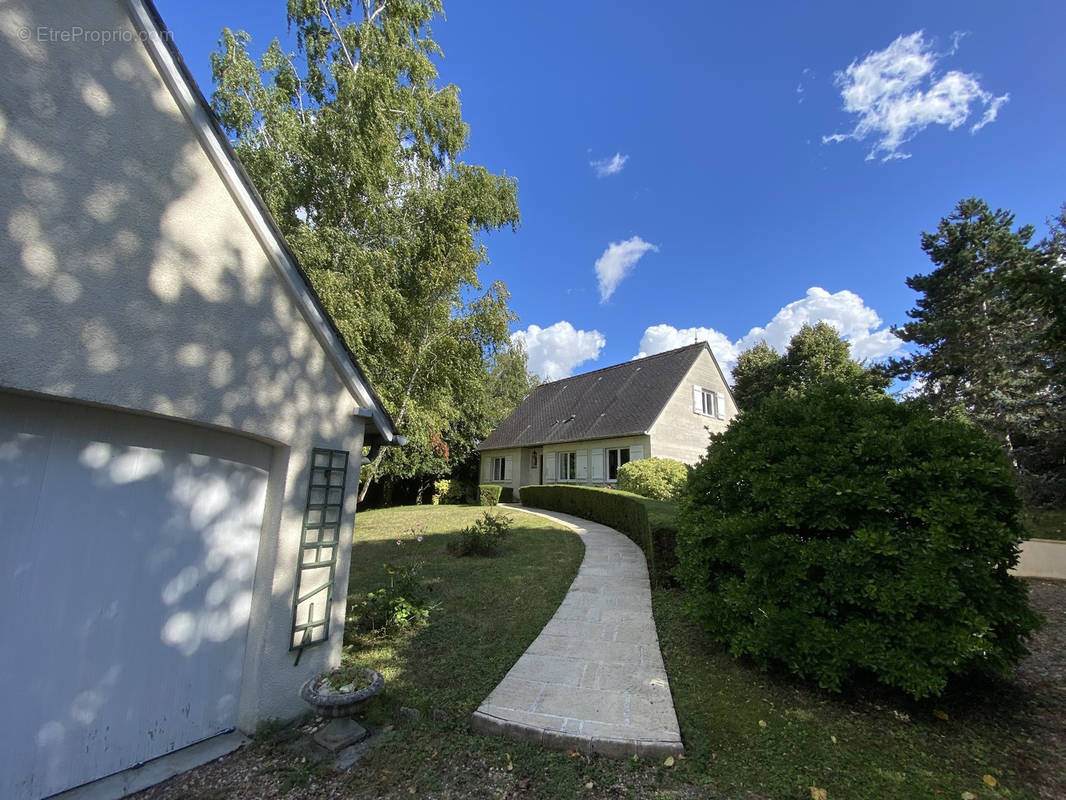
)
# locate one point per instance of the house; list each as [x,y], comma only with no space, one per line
[583,428]
[181,425]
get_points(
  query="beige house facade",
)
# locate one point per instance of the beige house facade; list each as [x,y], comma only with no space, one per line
[581,429]
[181,426]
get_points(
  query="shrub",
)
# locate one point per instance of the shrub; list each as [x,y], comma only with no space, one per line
[401,604]
[483,538]
[647,522]
[449,492]
[507,494]
[489,494]
[655,478]
[844,535]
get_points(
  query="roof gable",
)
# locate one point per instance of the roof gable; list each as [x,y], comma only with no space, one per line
[159,43]
[615,401]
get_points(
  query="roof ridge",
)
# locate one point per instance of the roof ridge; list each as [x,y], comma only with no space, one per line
[625,363]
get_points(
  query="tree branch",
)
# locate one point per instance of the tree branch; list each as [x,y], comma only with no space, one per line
[348,56]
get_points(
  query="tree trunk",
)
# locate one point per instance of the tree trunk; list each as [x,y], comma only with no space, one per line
[376,463]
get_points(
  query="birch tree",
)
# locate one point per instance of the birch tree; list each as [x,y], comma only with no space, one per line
[356,149]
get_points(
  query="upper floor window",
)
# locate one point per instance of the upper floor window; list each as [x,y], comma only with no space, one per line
[710,402]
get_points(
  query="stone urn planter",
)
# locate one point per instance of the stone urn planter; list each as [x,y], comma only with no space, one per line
[338,703]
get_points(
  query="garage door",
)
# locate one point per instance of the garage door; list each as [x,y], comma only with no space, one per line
[127,552]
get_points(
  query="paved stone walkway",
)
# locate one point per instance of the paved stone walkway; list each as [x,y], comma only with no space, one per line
[593,680]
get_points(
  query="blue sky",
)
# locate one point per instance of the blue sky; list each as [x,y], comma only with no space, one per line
[730,171]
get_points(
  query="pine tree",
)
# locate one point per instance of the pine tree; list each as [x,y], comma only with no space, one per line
[984,332]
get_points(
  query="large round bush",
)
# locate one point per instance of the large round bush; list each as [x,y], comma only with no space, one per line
[842,536]
[657,478]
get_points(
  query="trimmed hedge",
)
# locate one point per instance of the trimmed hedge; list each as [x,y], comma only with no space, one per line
[649,523]
[507,495]
[489,494]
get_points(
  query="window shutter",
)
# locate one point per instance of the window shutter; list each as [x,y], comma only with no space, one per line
[719,405]
[636,452]
[583,465]
[508,465]
[486,468]
[549,467]
[697,399]
[596,462]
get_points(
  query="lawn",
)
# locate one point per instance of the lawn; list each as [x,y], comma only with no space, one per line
[1049,524]
[747,734]
[487,611]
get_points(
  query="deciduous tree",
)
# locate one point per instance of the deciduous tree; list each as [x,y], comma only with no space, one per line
[357,151]
[815,353]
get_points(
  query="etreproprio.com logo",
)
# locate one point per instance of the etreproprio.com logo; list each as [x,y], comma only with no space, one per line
[77,34]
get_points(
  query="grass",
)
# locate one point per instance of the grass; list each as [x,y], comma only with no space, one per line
[747,734]
[870,747]
[1046,524]
[486,609]
[769,735]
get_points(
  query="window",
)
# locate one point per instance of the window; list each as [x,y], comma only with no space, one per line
[318,547]
[568,466]
[616,457]
[533,460]
[499,469]
[710,403]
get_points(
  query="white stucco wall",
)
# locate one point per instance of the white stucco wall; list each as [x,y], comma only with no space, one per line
[513,477]
[586,452]
[131,279]
[681,433]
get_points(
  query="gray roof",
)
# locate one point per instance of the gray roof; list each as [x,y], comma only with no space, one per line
[614,401]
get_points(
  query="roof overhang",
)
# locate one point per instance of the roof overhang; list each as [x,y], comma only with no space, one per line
[483,449]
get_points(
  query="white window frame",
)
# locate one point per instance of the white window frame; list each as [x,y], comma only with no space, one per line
[710,403]
[499,468]
[618,455]
[567,466]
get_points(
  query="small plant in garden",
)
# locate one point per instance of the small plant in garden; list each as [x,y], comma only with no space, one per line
[400,605]
[347,679]
[654,478]
[483,538]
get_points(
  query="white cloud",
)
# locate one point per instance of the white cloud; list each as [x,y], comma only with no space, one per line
[660,338]
[604,167]
[845,311]
[555,351]
[807,74]
[896,94]
[618,261]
